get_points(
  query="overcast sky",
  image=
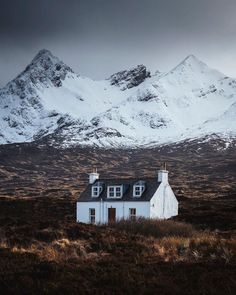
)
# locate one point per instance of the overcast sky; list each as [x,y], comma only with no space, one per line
[99,37]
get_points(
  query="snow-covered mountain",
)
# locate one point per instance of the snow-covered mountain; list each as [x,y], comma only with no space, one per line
[131,108]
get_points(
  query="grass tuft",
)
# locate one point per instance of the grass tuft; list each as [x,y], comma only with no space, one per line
[155,228]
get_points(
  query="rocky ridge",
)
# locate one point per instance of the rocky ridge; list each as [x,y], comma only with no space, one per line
[132,108]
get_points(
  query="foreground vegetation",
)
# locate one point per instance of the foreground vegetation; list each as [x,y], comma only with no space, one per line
[53,254]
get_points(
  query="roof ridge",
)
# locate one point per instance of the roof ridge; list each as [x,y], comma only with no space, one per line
[139,178]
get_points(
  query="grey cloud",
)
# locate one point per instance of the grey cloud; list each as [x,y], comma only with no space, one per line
[99,37]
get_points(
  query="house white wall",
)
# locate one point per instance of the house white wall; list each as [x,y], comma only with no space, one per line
[163,204]
[82,211]
[101,208]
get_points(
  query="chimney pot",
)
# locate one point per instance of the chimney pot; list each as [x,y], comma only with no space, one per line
[93,177]
[163,176]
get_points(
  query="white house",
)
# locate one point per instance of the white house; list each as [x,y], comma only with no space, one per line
[107,200]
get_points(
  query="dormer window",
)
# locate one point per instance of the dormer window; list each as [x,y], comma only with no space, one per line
[97,189]
[115,191]
[138,189]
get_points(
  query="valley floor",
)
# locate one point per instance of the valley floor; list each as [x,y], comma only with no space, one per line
[43,250]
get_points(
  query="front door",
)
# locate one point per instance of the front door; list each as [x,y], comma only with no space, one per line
[111,215]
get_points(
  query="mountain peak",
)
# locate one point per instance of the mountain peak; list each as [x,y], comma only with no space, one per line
[192,60]
[191,57]
[45,68]
[45,59]
[42,54]
[130,78]
[191,64]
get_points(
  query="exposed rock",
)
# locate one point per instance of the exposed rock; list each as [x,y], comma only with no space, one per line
[103,132]
[131,78]
[146,95]
[44,68]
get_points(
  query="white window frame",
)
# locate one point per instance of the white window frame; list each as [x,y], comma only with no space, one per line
[98,189]
[141,189]
[116,193]
[92,217]
[132,213]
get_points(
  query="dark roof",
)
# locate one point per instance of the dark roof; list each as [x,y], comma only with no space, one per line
[99,183]
[151,185]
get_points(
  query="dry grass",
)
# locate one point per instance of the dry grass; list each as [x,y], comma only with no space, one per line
[168,240]
[155,228]
[200,248]
[56,255]
[178,241]
[59,251]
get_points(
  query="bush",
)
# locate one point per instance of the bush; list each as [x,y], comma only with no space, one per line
[155,228]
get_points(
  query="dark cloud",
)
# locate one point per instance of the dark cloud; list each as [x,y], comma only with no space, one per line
[99,37]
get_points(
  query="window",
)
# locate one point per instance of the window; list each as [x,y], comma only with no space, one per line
[111,192]
[96,190]
[92,215]
[118,191]
[132,213]
[114,191]
[138,190]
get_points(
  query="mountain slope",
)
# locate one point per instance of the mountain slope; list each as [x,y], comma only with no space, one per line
[131,108]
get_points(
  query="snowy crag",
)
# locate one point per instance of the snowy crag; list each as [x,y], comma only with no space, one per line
[132,108]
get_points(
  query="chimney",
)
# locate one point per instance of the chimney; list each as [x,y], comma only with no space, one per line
[93,177]
[163,175]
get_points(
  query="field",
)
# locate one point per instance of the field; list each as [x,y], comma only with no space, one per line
[43,250]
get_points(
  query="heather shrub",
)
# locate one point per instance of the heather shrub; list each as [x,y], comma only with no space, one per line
[155,228]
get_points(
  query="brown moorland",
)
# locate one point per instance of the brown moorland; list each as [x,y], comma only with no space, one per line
[44,251]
